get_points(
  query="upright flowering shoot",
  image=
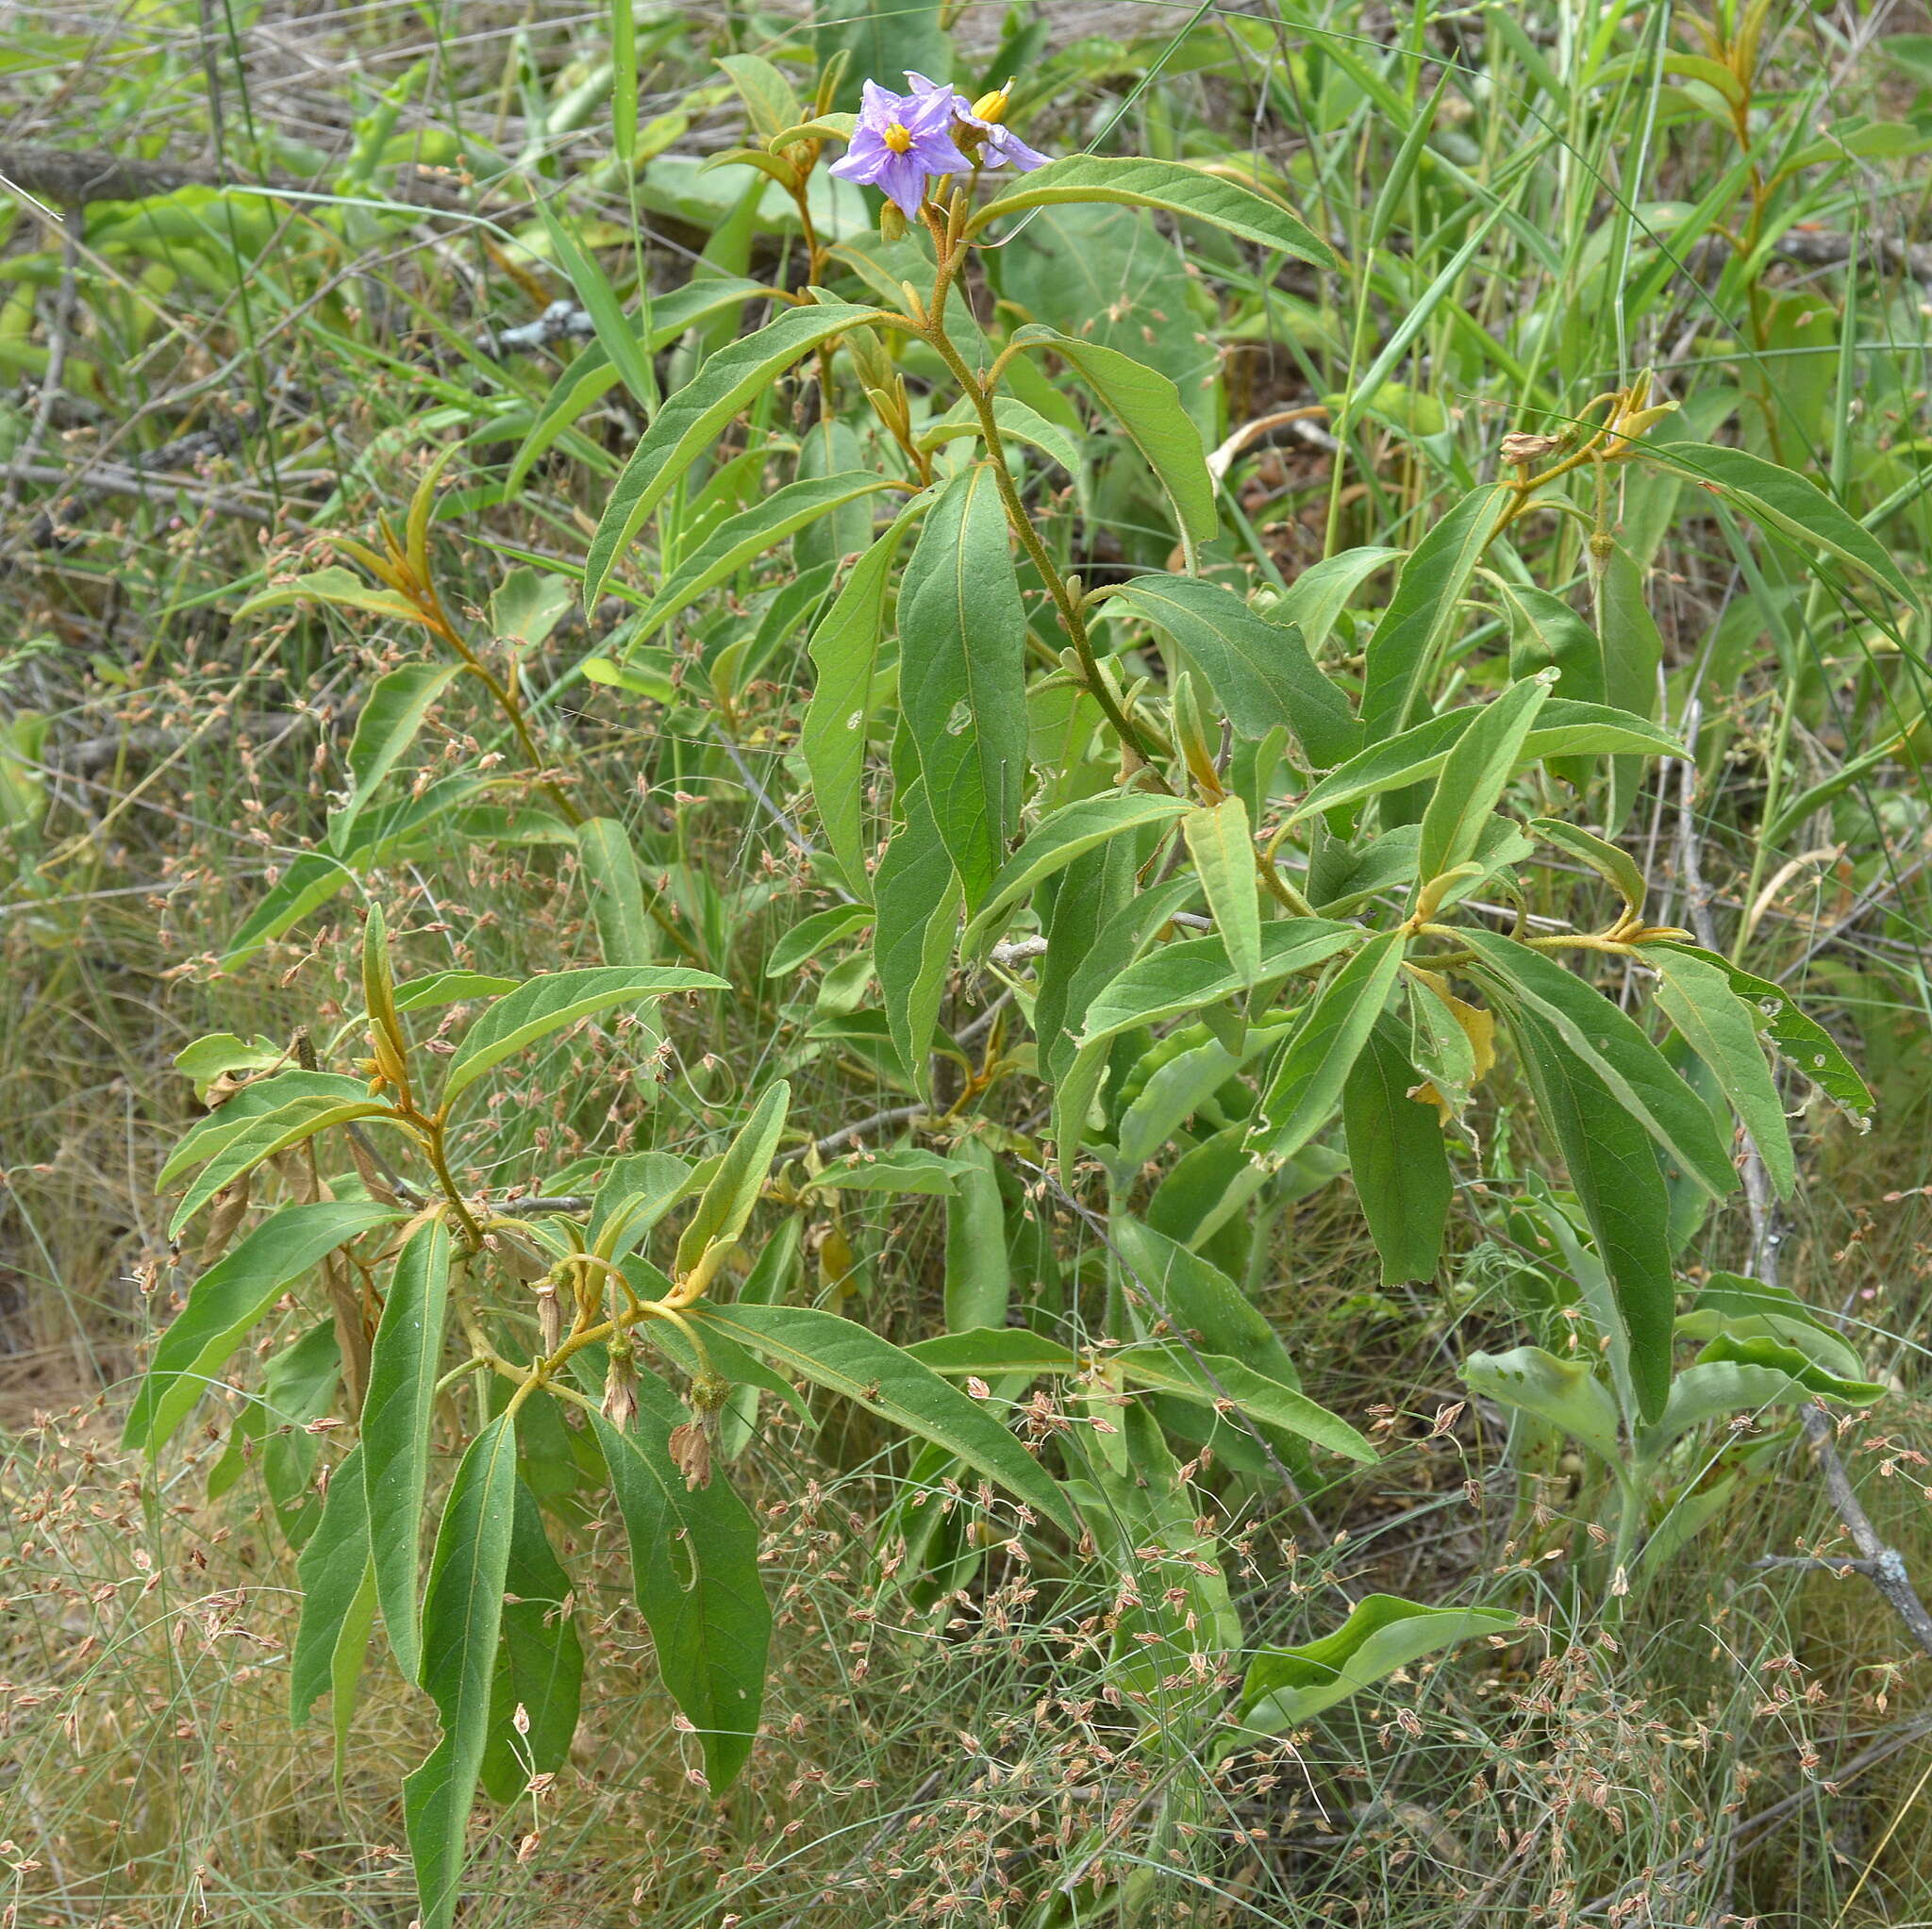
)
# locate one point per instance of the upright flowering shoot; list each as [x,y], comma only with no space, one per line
[901,141]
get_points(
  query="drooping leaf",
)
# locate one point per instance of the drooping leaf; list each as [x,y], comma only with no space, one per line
[1175,1368]
[398,1419]
[338,1602]
[539,1662]
[1733,1377]
[979,1280]
[962,680]
[545,1005]
[396,709]
[463,1616]
[1721,1029]
[918,895]
[1148,406]
[1286,1686]
[615,887]
[1169,186]
[689,421]
[342,588]
[1397,1160]
[236,1291]
[1611,862]
[853,1361]
[896,1169]
[1752,1309]
[1260,668]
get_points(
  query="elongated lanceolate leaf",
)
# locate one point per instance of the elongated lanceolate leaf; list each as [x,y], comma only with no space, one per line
[463,1615]
[1169,1366]
[398,1419]
[1170,186]
[962,677]
[1565,1392]
[1473,775]
[689,421]
[615,887]
[1397,1158]
[240,1115]
[853,1361]
[338,1602]
[547,1004]
[229,1298]
[396,709]
[918,895]
[728,1201]
[539,1663]
[1224,852]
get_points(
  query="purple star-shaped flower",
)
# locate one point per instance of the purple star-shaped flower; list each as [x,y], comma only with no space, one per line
[999,146]
[901,140]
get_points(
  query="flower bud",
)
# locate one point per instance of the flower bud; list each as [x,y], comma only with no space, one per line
[549,1315]
[619,1387]
[891,223]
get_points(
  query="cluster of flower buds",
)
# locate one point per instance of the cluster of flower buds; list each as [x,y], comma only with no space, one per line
[904,140]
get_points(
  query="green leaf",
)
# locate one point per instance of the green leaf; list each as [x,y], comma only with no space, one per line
[1222,849]
[1169,186]
[342,588]
[1323,1046]
[1474,777]
[1614,1172]
[1565,1392]
[853,1361]
[1611,862]
[962,678]
[1766,1355]
[897,1169]
[1060,837]
[635,1194]
[547,1004]
[236,1291]
[1805,1043]
[1017,423]
[239,1115]
[978,1281]
[918,893]
[1317,597]
[617,335]
[695,1575]
[1721,1029]
[398,1422]
[745,538]
[615,887]
[463,1615]
[1408,641]
[811,935]
[1616,1050]
[845,651]
[1788,503]
[337,1603]
[690,421]
[1746,1376]
[1751,1310]
[994,1350]
[395,711]
[1286,1686]
[435,989]
[263,1136]
[726,1205]
[1261,670]
[1170,1367]
[769,100]
[1562,729]
[1397,1158]
[539,1662]
[1148,406]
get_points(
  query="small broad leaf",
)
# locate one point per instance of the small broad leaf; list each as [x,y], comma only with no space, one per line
[1286,1686]
[812,935]
[436,988]
[1224,852]
[1733,1377]
[463,1615]
[1148,406]
[547,1004]
[635,1194]
[1214,1378]
[1258,668]
[1474,777]
[906,1169]
[734,1189]
[398,1424]
[1169,186]
[1397,1158]
[745,538]
[236,1291]
[1751,1310]
[962,677]
[1323,1048]
[853,1361]
[689,421]
[1611,862]
[334,585]
[1565,1392]
[1721,1029]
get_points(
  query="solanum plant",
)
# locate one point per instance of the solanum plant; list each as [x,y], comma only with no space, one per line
[1182,893]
